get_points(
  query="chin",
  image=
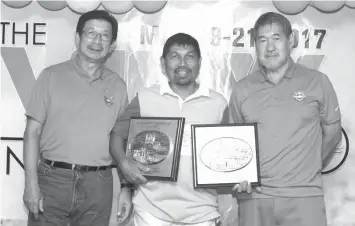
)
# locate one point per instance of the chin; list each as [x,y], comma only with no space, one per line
[271,65]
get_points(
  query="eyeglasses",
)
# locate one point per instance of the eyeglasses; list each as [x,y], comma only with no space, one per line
[93,34]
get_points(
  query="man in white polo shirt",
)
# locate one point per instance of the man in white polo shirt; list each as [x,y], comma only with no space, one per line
[174,203]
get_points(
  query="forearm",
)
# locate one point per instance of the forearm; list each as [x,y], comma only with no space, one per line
[330,140]
[117,151]
[31,154]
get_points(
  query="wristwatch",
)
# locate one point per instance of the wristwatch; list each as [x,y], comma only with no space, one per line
[126,185]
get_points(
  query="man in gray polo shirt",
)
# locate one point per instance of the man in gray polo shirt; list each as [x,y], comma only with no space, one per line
[299,127]
[73,108]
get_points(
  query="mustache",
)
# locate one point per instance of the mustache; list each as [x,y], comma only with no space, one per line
[183,68]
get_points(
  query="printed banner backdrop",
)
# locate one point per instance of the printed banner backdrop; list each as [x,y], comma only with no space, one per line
[33,38]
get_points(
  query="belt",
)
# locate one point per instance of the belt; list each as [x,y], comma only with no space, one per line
[76,167]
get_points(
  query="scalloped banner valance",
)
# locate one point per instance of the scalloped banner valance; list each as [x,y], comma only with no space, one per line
[121,6]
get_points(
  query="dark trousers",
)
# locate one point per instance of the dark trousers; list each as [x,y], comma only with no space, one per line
[74,198]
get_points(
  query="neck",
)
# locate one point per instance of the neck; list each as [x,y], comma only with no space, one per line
[91,68]
[184,91]
[275,76]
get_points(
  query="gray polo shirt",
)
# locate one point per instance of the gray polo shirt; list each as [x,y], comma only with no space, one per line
[77,114]
[289,116]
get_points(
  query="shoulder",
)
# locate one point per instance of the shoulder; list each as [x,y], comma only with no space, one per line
[58,68]
[303,71]
[54,71]
[119,82]
[150,90]
[217,97]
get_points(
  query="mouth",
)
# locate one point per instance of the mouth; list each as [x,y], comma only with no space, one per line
[95,49]
[271,56]
[182,70]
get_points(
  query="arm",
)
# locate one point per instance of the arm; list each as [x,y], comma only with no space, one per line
[331,138]
[32,196]
[235,113]
[31,140]
[36,112]
[330,120]
[126,169]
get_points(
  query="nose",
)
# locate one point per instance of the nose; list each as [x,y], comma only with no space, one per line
[182,62]
[270,45]
[97,38]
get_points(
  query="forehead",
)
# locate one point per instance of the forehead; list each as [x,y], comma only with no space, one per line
[98,24]
[182,48]
[271,29]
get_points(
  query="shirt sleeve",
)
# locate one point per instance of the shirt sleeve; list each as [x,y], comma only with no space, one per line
[235,113]
[40,98]
[329,107]
[121,127]
[225,117]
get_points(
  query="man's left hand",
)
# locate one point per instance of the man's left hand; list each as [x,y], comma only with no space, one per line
[125,206]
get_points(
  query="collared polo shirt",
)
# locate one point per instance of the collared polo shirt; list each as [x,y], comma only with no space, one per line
[77,113]
[289,116]
[177,201]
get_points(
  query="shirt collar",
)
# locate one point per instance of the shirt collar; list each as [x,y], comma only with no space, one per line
[75,62]
[288,74]
[164,88]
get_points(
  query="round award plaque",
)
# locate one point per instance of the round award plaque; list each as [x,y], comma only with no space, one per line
[150,147]
[226,154]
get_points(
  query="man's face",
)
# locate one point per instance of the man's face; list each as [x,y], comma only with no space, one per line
[95,42]
[273,47]
[181,64]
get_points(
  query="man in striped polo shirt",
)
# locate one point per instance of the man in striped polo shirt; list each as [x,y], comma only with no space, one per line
[179,95]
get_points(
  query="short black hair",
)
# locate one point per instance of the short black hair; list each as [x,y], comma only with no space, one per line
[181,39]
[272,18]
[98,15]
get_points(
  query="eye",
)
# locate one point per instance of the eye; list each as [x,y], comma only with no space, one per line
[91,34]
[105,36]
[190,55]
[262,40]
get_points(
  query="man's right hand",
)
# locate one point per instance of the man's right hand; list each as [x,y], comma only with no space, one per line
[33,198]
[244,186]
[132,171]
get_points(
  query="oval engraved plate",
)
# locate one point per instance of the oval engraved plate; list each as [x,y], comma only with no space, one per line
[226,154]
[150,147]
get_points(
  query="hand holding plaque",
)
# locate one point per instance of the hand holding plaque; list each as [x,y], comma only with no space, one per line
[155,142]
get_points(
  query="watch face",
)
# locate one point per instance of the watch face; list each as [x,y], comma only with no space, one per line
[226,154]
[150,147]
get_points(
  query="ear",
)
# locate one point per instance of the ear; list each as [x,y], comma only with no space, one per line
[112,46]
[77,39]
[162,65]
[293,39]
[199,62]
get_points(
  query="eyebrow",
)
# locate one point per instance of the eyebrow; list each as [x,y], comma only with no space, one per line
[273,35]
[93,29]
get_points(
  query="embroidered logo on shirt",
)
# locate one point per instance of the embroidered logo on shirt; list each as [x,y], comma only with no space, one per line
[108,100]
[299,95]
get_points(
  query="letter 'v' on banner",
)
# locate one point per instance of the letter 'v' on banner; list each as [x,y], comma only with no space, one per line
[20,71]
